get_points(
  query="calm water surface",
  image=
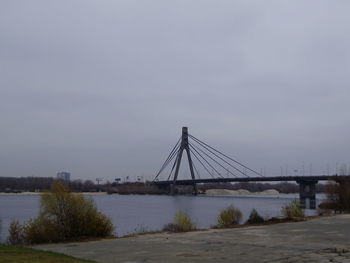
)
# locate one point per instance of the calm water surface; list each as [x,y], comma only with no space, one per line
[134,213]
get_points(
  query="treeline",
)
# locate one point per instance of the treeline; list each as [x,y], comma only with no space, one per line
[136,188]
[338,195]
[40,184]
[31,184]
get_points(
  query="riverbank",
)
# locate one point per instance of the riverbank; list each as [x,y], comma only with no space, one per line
[318,240]
[136,213]
[207,192]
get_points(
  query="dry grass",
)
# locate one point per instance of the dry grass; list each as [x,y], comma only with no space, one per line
[229,217]
[182,223]
[293,210]
[16,254]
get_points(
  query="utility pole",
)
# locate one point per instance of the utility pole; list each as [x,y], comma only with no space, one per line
[303,169]
[328,169]
[311,169]
[336,168]
[98,180]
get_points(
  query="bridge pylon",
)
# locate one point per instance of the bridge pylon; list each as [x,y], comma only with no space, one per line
[184,146]
[211,161]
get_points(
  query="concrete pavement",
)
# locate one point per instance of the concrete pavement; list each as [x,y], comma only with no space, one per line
[324,239]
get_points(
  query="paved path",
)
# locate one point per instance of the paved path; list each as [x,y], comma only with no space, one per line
[318,240]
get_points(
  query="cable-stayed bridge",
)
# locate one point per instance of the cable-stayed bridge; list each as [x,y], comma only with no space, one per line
[209,165]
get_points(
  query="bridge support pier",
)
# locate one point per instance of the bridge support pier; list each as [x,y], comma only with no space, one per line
[307,193]
[173,190]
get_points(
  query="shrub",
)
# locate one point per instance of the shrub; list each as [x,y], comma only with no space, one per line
[338,195]
[293,210]
[65,216]
[322,212]
[41,230]
[182,223]
[255,218]
[141,229]
[16,233]
[229,217]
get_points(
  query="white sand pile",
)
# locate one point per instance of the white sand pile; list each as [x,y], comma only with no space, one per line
[239,192]
[226,192]
[269,192]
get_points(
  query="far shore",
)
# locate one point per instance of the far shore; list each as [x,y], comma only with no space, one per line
[209,192]
[38,193]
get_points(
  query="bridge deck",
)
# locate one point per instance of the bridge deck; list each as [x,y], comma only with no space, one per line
[250,179]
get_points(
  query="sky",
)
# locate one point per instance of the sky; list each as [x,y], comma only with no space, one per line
[102,88]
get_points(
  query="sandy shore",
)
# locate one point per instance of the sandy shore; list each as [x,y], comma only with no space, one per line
[239,192]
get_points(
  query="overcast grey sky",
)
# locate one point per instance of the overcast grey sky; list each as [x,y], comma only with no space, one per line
[102,88]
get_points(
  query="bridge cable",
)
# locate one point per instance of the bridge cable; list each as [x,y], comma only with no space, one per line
[223,160]
[173,155]
[195,168]
[214,160]
[169,158]
[204,144]
[194,154]
[176,147]
[194,148]
[166,164]
[194,138]
[172,169]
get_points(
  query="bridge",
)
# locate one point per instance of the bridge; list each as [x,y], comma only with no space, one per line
[221,168]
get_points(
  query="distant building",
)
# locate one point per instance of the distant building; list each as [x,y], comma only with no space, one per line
[65,176]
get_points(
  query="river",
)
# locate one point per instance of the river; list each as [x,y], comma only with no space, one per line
[136,213]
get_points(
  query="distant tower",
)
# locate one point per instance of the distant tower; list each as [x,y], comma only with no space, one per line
[98,180]
[65,176]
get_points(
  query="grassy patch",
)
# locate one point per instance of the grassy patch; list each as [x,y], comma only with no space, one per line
[16,254]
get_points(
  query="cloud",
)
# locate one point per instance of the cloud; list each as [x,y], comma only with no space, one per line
[104,87]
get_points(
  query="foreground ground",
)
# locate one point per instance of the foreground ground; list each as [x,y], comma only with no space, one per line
[318,240]
[12,254]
